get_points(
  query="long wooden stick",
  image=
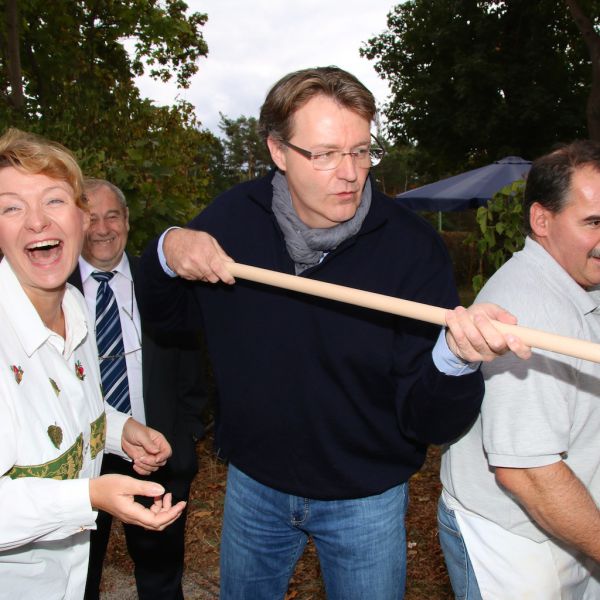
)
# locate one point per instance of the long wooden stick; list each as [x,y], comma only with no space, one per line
[535,338]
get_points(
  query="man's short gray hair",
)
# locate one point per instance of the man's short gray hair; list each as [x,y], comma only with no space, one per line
[91,184]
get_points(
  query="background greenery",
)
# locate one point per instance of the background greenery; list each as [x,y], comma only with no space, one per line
[471,81]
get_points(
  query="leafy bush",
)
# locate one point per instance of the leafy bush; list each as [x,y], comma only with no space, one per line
[500,231]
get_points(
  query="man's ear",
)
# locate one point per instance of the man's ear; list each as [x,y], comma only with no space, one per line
[86,219]
[538,219]
[278,154]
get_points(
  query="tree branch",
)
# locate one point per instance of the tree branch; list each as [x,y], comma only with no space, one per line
[16,97]
[592,41]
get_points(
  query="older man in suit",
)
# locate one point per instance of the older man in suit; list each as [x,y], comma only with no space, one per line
[156,377]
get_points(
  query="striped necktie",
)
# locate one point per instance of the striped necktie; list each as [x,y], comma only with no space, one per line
[109,337]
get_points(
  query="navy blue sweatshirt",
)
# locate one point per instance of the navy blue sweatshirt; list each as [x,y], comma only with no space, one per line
[318,398]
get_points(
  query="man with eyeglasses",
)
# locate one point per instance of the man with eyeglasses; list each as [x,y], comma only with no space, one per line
[326,410]
[156,377]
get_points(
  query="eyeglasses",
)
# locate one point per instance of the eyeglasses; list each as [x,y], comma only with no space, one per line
[367,157]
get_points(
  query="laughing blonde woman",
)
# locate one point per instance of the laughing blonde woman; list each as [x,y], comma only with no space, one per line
[54,424]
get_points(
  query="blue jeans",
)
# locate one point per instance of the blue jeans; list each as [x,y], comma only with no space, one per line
[361,543]
[458,563]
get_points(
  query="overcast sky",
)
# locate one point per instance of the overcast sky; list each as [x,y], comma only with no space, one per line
[252,43]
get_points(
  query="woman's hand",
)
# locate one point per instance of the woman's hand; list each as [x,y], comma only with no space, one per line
[115,495]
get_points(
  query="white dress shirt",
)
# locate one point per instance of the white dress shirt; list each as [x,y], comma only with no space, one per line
[122,287]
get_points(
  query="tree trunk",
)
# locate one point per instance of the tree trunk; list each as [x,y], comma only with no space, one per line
[592,41]
[17,99]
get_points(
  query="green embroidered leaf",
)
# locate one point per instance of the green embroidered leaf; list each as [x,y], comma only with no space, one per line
[56,435]
[54,386]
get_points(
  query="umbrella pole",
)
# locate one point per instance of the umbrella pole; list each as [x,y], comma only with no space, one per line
[439,220]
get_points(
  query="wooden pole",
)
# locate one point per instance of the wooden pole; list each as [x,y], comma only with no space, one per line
[535,338]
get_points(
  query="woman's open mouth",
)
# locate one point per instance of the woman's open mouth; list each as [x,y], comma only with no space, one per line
[44,252]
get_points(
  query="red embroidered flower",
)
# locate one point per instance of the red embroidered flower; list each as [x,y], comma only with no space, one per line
[79,371]
[17,372]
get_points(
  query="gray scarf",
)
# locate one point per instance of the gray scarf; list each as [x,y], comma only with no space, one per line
[307,246]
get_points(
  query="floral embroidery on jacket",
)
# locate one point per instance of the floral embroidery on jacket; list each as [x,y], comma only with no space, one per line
[54,386]
[17,372]
[98,435]
[66,466]
[79,370]
[56,435]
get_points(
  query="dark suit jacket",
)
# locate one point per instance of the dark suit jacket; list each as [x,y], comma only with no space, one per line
[174,395]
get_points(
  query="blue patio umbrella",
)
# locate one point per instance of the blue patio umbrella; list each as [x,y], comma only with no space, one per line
[467,190]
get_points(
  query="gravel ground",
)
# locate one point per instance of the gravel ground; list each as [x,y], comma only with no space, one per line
[119,584]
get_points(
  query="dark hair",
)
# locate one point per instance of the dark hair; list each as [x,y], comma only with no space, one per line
[294,90]
[549,180]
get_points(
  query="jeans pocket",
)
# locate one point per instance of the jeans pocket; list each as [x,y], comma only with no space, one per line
[447,521]
[455,551]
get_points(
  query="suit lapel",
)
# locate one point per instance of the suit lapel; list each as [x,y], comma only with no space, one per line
[75,279]
[147,347]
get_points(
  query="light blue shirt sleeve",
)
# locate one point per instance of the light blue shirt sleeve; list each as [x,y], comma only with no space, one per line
[446,362]
[161,255]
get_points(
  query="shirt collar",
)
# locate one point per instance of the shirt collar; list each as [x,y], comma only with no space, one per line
[27,323]
[86,269]
[587,300]
[76,319]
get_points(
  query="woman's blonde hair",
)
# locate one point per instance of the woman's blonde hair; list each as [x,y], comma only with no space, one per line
[36,155]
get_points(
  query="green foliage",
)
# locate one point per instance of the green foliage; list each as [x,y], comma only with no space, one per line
[245,152]
[163,188]
[394,174]
[76,68]
[500,231]
[473,81]
[79,86]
